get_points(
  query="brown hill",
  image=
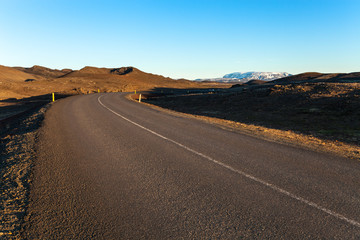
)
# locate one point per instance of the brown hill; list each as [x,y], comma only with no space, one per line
[90,71]
[15,83]
[297,78]
[9,74]
[43,80]
[99,72]
[349,77]
[43,71]
[314,77]
[90,79]
[255,82]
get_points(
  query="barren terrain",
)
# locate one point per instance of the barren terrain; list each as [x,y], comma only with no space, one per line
[326,109]
[19,82]
[314,110]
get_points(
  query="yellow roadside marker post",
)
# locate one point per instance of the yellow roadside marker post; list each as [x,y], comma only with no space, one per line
[98,90]
[53,97]
[135,91]
[140,97]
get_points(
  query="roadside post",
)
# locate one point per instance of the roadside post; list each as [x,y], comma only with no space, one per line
[140,97]
[53,97]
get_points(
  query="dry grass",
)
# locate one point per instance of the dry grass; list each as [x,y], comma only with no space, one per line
[328,111]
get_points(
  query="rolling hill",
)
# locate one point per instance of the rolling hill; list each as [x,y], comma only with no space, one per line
[20,82]
[315,77]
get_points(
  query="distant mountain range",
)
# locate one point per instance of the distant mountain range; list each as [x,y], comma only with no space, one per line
[243,77]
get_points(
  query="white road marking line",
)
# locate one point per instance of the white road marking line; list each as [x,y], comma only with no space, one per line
[272,186]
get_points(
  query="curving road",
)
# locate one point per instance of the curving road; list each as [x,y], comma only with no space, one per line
[110,168]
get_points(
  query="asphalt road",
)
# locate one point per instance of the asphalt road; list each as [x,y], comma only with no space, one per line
[110,168]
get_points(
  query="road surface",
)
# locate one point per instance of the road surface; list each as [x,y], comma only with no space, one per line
[111,168]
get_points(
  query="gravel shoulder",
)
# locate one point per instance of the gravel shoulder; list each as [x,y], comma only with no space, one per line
[16,162]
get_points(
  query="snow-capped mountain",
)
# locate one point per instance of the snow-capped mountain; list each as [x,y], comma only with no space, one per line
[267,76]
[243,77]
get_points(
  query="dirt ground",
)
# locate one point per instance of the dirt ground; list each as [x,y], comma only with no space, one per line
[17,148]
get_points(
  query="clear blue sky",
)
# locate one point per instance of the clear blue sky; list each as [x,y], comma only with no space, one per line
[183,38]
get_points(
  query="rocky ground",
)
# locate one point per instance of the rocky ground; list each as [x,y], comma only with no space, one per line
[16,161]
[327,111]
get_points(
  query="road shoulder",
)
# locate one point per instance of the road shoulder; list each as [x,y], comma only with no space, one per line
[17,160]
